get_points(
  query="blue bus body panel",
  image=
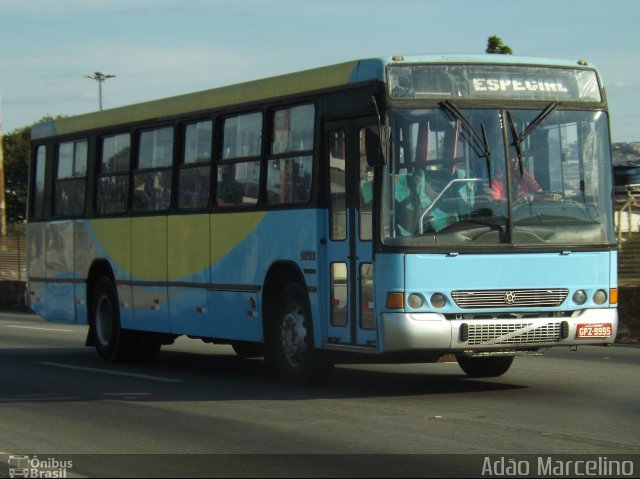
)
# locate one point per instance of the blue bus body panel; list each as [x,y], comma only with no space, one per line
[214,300]
[589,271]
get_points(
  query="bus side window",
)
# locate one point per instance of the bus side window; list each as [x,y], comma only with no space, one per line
[152,181]
[38,182]
[113,177]
[71,175]
[288,176]
[239,169]
[195,171]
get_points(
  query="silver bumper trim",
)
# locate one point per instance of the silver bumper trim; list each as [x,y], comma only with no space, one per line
[432,331]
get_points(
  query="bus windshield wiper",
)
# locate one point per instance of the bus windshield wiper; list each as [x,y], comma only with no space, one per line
[518,139]
[480,145]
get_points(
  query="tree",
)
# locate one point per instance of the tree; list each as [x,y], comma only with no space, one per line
[16,173]
[495,45]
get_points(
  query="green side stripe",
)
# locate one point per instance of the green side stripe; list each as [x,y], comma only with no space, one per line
[184,246]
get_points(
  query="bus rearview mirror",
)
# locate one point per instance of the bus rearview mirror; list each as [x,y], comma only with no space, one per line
[375,148]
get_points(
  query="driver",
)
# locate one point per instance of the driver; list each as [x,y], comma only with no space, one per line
[414,205]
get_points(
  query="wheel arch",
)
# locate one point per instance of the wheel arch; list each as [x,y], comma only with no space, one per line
[279,275]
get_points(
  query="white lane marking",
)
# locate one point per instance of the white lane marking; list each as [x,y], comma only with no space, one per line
[115,373]
[36,327]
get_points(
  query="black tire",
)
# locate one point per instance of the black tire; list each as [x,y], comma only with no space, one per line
[489,367]
[300,363]
[113,343]
[248,350]
[148,347]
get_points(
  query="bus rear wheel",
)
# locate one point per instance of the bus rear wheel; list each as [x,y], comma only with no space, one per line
[489,367]
[299,361]
[113,343]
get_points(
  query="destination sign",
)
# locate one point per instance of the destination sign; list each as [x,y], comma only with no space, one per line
[514,82]
[514,85]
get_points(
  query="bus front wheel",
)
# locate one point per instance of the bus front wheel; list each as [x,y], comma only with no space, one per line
[299,361]
[489,367]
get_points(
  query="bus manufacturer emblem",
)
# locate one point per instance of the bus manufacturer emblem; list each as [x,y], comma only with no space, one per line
[510,297]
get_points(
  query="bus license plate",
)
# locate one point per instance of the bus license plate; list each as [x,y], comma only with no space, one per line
[602,330]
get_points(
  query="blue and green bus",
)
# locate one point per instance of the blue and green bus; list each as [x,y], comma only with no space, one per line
[388,209]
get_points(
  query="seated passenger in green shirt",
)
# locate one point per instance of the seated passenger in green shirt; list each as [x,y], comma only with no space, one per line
[412,207]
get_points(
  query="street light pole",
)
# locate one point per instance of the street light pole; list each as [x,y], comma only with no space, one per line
[99,77]
[3,205]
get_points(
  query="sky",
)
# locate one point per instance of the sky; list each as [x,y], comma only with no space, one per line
[161,48]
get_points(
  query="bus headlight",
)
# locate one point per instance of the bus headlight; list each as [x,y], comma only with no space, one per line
[438,300]
[415,301]
[579,297]
[600,297]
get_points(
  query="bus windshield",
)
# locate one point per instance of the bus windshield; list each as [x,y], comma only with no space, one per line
[487,177]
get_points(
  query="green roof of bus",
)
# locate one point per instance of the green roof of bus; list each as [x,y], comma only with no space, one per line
[282,85]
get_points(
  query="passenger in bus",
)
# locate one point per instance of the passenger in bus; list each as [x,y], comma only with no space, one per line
[524,183]
[411,208]
[230,193]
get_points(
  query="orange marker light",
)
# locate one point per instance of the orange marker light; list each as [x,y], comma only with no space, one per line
[613,296]
[395,300]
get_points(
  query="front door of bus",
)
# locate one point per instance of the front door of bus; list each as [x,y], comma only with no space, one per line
[349,243]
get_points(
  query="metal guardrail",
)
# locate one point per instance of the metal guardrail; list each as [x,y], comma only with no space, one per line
[627,225]
[631,201]
[13,258]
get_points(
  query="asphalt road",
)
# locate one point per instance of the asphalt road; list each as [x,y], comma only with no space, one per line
[200,410]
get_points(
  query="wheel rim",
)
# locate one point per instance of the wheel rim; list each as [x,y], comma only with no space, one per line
[293,337]
[104,321]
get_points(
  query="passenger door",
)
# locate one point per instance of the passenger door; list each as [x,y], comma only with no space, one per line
[349,235]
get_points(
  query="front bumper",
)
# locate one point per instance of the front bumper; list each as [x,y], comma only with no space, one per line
[432,331]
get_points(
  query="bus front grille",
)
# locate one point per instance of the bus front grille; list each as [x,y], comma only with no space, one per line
[513,333]
[509,298]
